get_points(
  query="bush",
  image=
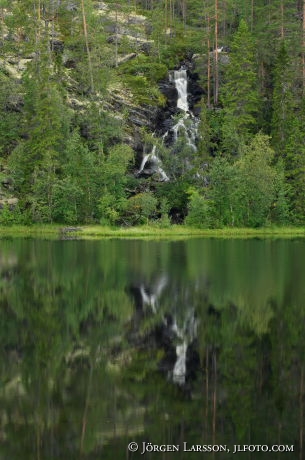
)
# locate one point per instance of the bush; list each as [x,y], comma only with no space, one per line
[199,214]
[13,216]
[141,208]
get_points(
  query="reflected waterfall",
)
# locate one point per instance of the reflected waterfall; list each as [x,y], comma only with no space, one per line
[182,331]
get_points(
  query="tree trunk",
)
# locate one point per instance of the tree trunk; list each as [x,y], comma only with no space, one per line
[301,412]
[282,19]
[216,82]
[209,67]
[303,46]
[87,45]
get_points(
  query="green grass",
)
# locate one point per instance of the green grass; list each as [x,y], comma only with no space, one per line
[149,232]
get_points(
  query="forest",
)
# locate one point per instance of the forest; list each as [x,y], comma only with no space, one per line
[94,131]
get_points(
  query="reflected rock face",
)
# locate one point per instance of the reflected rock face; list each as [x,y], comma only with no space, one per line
[175,337]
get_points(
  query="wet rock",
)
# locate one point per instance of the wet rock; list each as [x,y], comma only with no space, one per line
[57,45]
[164,118]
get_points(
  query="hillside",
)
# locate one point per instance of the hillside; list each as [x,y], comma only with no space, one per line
[151,111]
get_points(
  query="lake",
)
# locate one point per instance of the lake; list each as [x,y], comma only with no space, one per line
[177,349]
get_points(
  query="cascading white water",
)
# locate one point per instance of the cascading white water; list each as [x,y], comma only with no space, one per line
[152,157]
[180,78]
[186,127]
[188,124]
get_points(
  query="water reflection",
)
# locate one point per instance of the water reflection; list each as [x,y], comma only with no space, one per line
[103,343]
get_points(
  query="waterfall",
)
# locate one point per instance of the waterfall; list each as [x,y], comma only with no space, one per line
[187,125]
[184,129]
[189,129]
[180,78]
[155,162]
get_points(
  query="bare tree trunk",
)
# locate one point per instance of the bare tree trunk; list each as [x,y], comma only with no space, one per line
[183,7]
[303,46]
[282,19]
[209,67]
[2,28]
[38,37]
[170,18]
[116,36]
[216,82]
[301,412]
[87,45]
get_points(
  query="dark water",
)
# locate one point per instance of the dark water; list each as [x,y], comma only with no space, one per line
[199,342]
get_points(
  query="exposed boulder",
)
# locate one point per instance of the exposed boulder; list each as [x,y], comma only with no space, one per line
[10,202]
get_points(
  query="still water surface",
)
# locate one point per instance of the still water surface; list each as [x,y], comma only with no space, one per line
[199,342]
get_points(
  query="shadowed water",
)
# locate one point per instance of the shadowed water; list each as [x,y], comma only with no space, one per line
[106,342]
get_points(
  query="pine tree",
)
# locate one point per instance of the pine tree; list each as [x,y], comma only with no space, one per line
[45,129]
[295,166]
[239,94]
[283,103]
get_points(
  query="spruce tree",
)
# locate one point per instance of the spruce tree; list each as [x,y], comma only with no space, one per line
[239,94]
[295,166]
[282,101]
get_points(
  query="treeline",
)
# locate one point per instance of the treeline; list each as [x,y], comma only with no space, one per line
[67,151]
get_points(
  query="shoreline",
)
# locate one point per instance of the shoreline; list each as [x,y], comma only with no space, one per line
[86,232]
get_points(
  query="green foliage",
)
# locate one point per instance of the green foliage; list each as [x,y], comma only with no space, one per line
[141,75]
[113,200]
[143,91]
[294,163]
[141,208]
[67,201]
[46,126]
[12,215]
[224,183]
[248,193]
[280,210]
[239,94]
[42,196]
[283,101]
[176,194]
[10,101]
[199,214]
[143,65]
[65,163]
[99,127]
[256,183]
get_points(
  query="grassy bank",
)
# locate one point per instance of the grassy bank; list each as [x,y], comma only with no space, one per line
[152,232]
